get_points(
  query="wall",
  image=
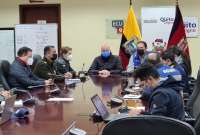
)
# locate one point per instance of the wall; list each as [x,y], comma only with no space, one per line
[83,23]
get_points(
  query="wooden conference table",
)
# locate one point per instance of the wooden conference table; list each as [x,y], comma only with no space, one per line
[53,118]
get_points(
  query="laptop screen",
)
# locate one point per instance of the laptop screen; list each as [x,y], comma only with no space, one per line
[100,107]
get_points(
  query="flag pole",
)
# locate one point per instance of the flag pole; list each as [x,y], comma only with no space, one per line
[130,2]
[177,3]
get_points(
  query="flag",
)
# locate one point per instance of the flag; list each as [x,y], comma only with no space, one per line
[131,32]
[178,37]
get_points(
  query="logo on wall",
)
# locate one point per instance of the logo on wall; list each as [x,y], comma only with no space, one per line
[114,28]
[167,20]
[118,25]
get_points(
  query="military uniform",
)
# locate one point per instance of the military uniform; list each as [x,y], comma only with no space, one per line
[44,68]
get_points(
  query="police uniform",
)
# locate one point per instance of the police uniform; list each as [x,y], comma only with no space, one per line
[44,68]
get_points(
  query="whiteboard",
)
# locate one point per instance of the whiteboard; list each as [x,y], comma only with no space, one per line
[36,36]
[7,44]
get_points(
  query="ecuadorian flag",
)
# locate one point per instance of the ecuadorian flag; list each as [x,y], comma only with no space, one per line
[131,31]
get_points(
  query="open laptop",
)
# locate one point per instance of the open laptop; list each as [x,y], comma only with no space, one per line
[8,109]
[103,112]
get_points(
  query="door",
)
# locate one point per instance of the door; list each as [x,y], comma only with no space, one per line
[30,14]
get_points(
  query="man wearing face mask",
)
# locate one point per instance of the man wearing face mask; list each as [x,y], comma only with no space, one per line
[45,69]
[169,59]
[165,71]
[106,63]
[62,64]
[139,57]
[20,75]
[165,99]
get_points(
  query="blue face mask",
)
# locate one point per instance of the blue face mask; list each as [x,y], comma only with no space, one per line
[106,54]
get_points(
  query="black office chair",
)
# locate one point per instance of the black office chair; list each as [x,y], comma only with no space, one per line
[4,72]
[148,125]
[197,125]
[192,106]
[36,59]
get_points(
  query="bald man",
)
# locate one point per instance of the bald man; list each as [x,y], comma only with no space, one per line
[106,63]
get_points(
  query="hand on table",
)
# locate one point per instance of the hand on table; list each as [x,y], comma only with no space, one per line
[48,82]
[68,75]
[6,94]
[104,73]
[135,112]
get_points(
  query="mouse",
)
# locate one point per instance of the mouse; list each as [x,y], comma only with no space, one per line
[21,112]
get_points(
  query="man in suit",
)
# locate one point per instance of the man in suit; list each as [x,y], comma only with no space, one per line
[20,75]
[106,63]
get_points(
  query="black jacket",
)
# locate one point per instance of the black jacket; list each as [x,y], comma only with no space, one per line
[112,64]
[21,76]
[166,100]
[62,66]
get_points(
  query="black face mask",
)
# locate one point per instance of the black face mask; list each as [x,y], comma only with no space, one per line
[54,57]
[140,52]
[152,62]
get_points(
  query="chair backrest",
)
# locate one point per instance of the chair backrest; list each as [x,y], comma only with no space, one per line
[197,125]
[4,72]
[36,59]
[194,100]
[148,125]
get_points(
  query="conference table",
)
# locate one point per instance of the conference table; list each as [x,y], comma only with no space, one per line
[53,118]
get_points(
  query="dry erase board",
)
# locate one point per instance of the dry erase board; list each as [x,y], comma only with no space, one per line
[36,36]
[7,44]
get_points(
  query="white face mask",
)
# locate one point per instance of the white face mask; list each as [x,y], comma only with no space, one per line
[68,57]
[30,61]
[179,59]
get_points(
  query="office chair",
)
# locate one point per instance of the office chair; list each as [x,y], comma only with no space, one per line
[197,125]
[192,107]
[36,59]
[148,125]
[4,72]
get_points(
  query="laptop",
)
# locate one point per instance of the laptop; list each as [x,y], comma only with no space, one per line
[8,109]
[103,112]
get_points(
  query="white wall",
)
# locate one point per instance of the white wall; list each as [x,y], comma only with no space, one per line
[83,23]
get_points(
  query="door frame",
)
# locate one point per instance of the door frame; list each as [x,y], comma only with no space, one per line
[21,17]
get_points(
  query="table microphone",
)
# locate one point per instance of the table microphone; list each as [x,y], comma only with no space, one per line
[82,74]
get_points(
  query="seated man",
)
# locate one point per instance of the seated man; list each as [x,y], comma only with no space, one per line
[106,64]
[166,99]
[164,71]
[169,59]
[45,69]
[20,75]
[138,57]
[62,64]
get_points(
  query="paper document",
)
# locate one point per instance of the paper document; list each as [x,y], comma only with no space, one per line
[60,99]
[18,103]
[131,96]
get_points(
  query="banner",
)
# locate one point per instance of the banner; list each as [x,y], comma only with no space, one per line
[157,24]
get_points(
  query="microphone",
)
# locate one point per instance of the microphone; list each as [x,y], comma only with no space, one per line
[82,74]
[30,99]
